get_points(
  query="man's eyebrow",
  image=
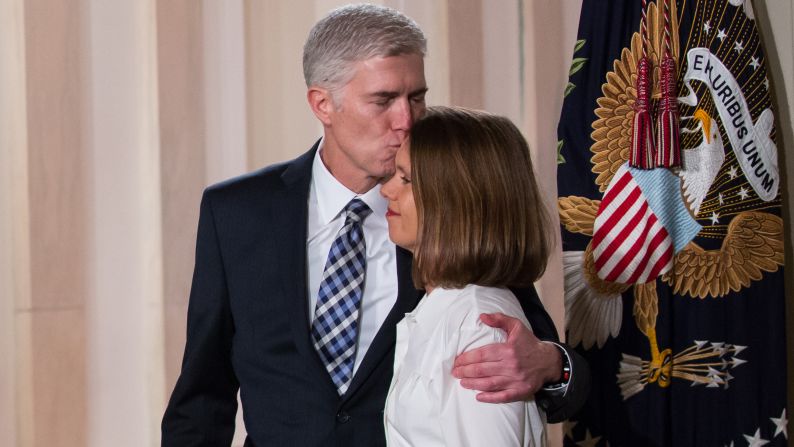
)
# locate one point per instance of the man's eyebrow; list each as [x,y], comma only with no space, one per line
[384,94]
[393,94]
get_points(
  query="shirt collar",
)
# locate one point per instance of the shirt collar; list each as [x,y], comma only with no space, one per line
[333,196]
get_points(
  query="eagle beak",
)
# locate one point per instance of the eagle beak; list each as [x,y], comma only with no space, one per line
[705,121]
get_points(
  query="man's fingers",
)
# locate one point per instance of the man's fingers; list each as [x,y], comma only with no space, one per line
[489,353]
[500,321]
[493,387]
[491,384]
[514,328]
[500,397]
[478,370]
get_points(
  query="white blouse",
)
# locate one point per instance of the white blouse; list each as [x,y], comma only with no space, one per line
[426,406]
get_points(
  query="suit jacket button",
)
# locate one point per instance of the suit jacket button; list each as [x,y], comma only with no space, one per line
[342,417]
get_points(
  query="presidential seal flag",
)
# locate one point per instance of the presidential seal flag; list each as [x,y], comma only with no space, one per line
[669,200]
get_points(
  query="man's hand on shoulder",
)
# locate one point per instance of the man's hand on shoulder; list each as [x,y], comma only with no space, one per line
[510,371]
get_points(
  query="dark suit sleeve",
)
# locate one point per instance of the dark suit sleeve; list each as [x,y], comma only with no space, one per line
[203,405]
[557,406]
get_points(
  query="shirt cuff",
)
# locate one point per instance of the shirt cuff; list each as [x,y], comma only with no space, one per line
[561,388]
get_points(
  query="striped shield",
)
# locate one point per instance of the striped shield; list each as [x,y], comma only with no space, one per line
[641,223]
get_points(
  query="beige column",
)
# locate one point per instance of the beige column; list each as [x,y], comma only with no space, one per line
[224,89]
[15,388]
[279,121]
[466,68]
[502,60]
[183,159]
[51,325]
[125,362]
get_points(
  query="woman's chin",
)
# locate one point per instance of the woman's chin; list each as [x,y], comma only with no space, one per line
[408,245]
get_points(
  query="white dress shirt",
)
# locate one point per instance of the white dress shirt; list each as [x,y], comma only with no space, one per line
[327,198]
[426,406]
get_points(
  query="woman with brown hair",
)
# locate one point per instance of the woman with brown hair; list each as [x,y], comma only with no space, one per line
[465,202]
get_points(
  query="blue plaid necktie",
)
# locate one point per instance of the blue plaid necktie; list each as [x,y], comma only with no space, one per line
[335,325]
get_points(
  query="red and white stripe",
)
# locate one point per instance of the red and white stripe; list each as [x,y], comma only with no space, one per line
[629,243]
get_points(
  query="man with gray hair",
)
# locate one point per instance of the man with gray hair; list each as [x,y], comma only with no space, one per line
[297,288]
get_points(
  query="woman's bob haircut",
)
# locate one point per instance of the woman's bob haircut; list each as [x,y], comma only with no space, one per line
[481,216]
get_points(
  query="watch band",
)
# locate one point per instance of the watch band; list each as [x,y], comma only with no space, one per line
[565,377]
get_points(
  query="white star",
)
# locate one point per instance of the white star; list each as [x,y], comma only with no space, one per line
[588,440]
[721,200]
[755,440]
[707,27]
[780,425]
[738,46]
[743,193]
[715,218]
[567,428]
[721,35]
[732,172]
[766,83]
[755,63]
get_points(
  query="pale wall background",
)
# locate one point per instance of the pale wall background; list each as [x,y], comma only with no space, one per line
[115,114]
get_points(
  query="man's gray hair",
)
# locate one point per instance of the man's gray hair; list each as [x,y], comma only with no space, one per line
[355,33]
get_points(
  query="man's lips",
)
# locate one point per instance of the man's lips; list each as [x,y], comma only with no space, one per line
[390,213]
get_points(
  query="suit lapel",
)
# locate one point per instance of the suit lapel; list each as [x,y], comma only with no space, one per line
[297,181]
[383,344]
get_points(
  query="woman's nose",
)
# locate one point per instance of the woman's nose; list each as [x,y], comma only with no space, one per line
[387,190]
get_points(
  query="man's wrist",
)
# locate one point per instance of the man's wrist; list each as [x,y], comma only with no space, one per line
[561,385]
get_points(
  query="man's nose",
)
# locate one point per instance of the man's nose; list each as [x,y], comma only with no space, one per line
[403,117]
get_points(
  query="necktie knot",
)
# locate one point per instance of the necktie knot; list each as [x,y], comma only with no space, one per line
[356,211]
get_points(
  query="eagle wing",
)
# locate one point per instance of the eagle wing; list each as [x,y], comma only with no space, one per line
[578,214]
[753,245]
[612,129]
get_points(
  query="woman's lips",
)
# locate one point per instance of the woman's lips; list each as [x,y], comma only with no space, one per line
[390,213]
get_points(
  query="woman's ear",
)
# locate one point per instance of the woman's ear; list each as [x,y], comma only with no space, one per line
[321,103]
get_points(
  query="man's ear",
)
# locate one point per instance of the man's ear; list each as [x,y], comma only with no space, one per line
[321,103]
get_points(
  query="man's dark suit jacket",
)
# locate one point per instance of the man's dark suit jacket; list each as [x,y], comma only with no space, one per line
[248,327]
